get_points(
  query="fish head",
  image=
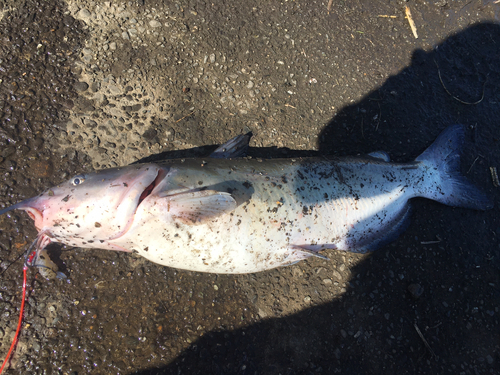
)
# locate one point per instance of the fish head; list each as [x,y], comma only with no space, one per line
[95,207]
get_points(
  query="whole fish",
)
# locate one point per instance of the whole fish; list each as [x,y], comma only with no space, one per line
[227,214]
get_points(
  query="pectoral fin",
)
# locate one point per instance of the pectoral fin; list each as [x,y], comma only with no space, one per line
[199,206]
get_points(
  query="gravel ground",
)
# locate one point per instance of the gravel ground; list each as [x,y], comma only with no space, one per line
[96,84]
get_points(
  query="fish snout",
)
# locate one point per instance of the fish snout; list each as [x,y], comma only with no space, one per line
[32,207]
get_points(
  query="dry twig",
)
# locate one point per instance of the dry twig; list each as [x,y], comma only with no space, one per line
[494,176]
[454,97]
[424,340]
[189,114]
[411,22]
[429,242]
[329,7]
[474,162]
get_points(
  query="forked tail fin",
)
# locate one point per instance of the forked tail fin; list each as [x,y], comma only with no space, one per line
[451,187]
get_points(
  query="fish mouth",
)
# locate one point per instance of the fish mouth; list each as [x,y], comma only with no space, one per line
[35,214]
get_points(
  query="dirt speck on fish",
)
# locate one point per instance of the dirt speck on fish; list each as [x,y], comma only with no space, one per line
[226,214]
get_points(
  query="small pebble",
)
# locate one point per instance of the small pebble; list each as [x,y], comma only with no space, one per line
[154,23]
[36,346]
[84,14]
[337,275]
[81,86]
[416,290]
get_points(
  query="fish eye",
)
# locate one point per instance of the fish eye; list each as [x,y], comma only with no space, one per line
[78,180]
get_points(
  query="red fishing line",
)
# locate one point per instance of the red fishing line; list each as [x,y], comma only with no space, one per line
[14,341]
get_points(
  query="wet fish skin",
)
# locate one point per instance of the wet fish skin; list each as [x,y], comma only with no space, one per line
[246,215]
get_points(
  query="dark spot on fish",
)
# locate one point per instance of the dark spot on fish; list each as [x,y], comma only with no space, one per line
[299,173]
[200,182]
[146,248]
[177,225]
[97,225]
[135,252]
[90,241]
[283,179]
[101,241]
[326,196]
[305,210]
[176,235]
[125,184]
[362,185]
[50,193]
[230,190]
[247,184]
[273,184]
[239,222]
[78,225]
[66,198]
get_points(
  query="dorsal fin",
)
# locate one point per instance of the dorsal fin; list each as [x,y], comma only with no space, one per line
[234,148]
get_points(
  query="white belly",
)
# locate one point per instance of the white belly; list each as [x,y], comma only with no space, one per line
[266,232]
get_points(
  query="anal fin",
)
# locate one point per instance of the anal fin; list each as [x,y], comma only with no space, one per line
[385,235]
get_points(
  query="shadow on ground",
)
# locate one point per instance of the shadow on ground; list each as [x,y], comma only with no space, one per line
[450,256]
